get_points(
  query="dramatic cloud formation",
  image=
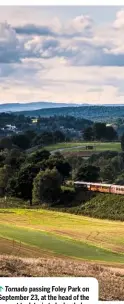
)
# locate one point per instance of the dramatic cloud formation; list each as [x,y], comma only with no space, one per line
[79,26]
[75,59]
[75,42]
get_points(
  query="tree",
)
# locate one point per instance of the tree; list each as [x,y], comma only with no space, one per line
[117,164]
[120,179]
[12,188]
[122,142]
[99,130]
[21,184]
[15,158]
[5,173]
[111,133]
[47,186]
[21,140]
[47,138]
[2,158]
[58,162]
[43,139]
[37,140]
[59,136]
[108,174]
[38,156]
[88,134]
[88,173]
[5,143]
[30,134]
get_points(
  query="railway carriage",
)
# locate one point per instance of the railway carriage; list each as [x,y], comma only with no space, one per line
[99,187]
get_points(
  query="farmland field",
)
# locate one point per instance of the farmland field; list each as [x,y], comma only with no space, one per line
[62,234]
[81,146]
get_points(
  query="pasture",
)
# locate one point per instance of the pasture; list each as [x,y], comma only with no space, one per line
[81,146]
[56,233]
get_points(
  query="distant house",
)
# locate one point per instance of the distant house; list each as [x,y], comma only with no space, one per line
[34,120]
[114,126]
[11,128]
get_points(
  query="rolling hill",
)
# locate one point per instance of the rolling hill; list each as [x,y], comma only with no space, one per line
[94,113]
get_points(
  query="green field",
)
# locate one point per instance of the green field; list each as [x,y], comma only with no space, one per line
[65,234]
[80,146]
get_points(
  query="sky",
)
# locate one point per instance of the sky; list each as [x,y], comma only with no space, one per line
[62,54]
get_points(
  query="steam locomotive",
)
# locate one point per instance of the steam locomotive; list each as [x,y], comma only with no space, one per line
[99,187]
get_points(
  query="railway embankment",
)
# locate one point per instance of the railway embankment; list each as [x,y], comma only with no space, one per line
[93,204]
[101,205]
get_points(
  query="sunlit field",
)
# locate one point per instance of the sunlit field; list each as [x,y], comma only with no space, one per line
[64,234]
[81,146]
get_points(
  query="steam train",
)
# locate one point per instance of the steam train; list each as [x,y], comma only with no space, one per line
[98,187]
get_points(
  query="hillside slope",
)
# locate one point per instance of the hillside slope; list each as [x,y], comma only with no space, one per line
[92,112]
[105,206]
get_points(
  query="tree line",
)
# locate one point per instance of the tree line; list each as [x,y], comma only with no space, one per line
[99,131]
[31,139]
[40,177]
[22,174]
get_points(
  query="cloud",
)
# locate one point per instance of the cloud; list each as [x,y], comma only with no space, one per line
[10,47]
[6,70]
[32,29]
[50,43]
[119,21]
[66,60]
[84,49]
[80,26]
[78,41]
[91,55]
[41,48]
[14,50]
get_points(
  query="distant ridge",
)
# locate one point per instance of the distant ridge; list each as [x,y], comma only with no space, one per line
[91,112]
[40,105]
[17,107]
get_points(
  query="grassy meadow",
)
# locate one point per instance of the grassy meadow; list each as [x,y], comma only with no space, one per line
[79,148]
[98,146]
[62,234]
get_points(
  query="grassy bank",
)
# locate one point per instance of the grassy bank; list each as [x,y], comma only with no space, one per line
[104,206]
